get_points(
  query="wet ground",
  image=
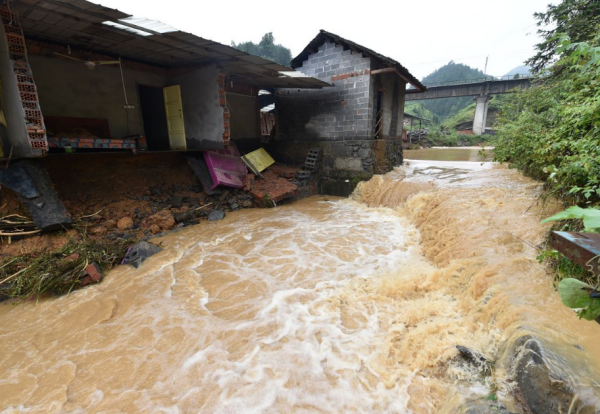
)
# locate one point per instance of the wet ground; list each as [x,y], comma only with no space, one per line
[325,305]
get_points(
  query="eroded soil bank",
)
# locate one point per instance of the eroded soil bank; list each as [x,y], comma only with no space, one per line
[324,305]
[121,197]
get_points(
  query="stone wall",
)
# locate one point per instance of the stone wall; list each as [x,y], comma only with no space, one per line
[387,154]
[345,160]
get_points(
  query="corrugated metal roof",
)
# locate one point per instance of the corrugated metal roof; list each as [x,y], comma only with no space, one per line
[409,116]
[94,28]
[325,36]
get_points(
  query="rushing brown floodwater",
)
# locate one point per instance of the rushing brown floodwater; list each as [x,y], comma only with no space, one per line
[451,154]
[319,306]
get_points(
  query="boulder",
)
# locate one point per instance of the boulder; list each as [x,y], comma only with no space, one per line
[138,253]
[547,383]
[125,223]
[216,215]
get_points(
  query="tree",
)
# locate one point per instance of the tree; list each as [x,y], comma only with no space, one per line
[577,19]
[550,131]
[267,49]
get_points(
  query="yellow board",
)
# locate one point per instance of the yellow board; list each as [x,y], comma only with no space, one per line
[174,109]
[258,160]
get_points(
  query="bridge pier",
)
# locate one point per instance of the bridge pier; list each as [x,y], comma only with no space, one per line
[481,110]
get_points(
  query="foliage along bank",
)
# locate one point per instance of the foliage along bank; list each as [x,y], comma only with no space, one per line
[552,132]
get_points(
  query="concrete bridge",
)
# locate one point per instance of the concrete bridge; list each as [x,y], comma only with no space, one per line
[481,89]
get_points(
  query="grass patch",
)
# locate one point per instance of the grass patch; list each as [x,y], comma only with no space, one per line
[58,272]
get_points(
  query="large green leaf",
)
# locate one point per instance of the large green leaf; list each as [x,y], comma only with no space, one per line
[590,216]
[574,293]
[592,311]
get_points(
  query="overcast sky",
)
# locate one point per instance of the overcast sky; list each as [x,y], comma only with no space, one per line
[421,34]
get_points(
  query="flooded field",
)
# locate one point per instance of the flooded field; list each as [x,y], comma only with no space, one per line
[324,305]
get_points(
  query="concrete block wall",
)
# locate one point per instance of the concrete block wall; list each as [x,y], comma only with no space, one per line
[344,159]
[341,119]
[337,119]
[339,113]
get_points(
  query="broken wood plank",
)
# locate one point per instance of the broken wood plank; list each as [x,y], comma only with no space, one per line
[581,248]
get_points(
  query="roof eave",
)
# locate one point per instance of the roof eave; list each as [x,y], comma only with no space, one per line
[324,36]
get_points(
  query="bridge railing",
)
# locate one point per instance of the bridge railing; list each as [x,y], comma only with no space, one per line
[478,80]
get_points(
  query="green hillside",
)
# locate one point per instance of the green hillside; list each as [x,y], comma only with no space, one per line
[417,109]
[444,108]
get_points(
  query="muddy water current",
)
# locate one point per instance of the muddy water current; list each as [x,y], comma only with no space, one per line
[451,154]
[323,305]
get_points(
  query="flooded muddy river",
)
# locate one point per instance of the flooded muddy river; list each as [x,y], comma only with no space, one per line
[451,154]
[324,305]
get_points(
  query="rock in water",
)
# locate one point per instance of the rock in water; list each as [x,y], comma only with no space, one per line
[139,253]
[184,216]
[216,215]
[472,356]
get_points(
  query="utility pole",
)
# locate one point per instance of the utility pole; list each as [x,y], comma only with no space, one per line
[485,69]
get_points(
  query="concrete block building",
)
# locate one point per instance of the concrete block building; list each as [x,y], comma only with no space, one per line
[357,122]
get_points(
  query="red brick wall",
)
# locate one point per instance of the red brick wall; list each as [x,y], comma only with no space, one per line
[221,80]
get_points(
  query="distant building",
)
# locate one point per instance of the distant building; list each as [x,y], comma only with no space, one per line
[358,122]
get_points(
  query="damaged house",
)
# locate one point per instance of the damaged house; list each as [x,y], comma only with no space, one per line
[357,123]
[78,77]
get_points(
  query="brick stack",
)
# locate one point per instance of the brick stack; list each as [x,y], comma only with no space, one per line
[226,113]
[272,188]
[17,53]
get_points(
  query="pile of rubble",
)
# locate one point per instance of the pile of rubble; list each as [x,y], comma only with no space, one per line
[137,197]
[159,210]
[106,207]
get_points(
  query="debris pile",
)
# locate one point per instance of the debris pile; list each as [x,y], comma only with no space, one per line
[78,262]
[114,203]
[273,189]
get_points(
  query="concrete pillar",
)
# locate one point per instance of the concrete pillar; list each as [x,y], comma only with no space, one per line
[481,110]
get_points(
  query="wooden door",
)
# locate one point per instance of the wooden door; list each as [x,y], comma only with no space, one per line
[174,110]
